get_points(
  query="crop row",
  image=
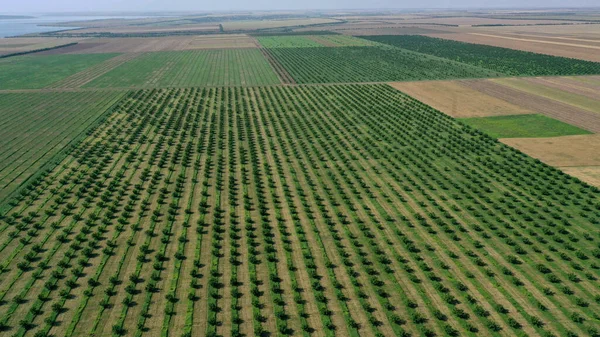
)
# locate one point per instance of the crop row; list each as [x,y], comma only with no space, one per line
[190,68]
[330,210]
[35,127]
[503,60]
[369,64]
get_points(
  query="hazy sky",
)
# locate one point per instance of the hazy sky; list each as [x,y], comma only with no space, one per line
[199,5]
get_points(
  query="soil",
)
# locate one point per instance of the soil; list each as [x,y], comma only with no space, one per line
[581,150]
[589,174]
[458,101]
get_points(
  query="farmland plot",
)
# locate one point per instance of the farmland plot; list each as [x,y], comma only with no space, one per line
[369,64]
[34,127]
[523,126]
[191,68]
[307,41]
[507,61]
[34,72]
[287,42]
[330,210]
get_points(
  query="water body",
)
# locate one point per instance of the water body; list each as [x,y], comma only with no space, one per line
[16,27]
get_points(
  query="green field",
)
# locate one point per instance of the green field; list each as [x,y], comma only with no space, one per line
[347,41]
[523,126]
[34,72]
[339,210]
[369,64]
[287,42]
[190,68]
[503,60]
[35,127]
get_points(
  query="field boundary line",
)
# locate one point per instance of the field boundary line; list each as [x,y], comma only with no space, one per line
[537,41]
[55,160]
[281,72]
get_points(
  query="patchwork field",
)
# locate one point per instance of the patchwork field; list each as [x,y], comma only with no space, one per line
[264,24]
[573,94]
[584,119]
[19,45]
[83,77]
[37,126]
[34,72]
[190,68]
[529,126]
[151,44]
[127,30]
[557,46]
[368,64]
[163,177]
[503,60]
[393,222]
[457,100]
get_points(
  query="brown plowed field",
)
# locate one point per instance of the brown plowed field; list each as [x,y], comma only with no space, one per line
[583,150]
[568,85]
[567,113]
[457,100]
[589,174]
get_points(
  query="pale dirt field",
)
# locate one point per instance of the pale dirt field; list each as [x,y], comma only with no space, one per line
[580,150]
[468,21]
[578,31]
[562,42]
[570,85]
[389,30]
[589,174]
[146,29]
[261,24]
[457,100]
[553,38]
[554,91]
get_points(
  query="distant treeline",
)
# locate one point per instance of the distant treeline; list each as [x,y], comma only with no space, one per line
[37,50]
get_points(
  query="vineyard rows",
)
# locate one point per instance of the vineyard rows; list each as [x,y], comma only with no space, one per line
[190,68]
[306,41]
[35,127]
[347,210]
[369,64]
[510,62]
[34,72]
